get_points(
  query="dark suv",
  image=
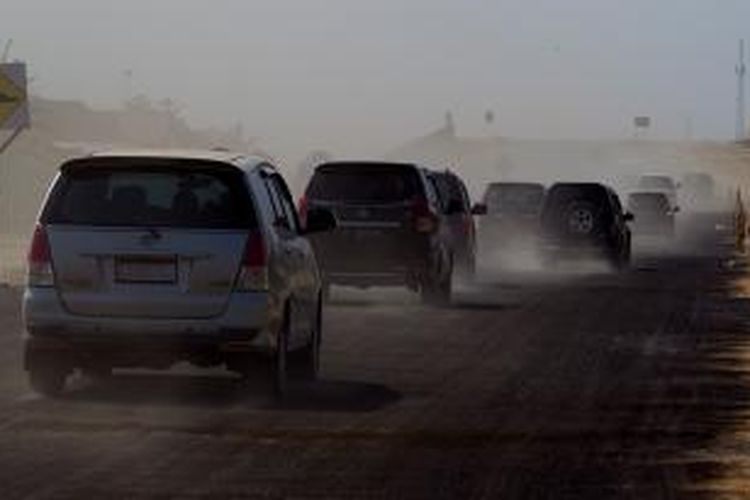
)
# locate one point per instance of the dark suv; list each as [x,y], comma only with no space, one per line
[584,220]
[390,229]
[456,209]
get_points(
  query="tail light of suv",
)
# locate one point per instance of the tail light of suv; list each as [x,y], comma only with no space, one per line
[253,275]
[40,273]
[302,209]
[425,221]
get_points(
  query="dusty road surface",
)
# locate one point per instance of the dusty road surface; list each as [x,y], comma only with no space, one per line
[572,385]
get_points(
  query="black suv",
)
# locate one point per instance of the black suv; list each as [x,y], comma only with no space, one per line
[455,205]
[584,220]
[390,228]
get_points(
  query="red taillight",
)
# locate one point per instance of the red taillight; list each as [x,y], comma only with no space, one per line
[468,225]
[40,259]
[253,275]
[302,209]
[255,251]
[425,220]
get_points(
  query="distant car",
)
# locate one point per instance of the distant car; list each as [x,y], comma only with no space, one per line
[512,215]
[698,191]
[659,183]
[654,216]
[584,220]
[147,259]
[391,229]
[456,209]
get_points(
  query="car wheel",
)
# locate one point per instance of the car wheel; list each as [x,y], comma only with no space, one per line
[620,259]
[626,259]
[47,376]
[279,370]
[326,291]
[306,361]
[469,272]
[437,291]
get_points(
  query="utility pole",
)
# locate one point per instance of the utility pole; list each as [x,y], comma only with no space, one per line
[741,70]
[6,51]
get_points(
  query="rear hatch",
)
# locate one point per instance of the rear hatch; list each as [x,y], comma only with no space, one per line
[147,237]
[651,210]
[375,207]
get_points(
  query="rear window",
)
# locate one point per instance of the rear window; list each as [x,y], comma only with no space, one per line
[648,202]
[363,183]
[192,196]
[514,198]
[559,197]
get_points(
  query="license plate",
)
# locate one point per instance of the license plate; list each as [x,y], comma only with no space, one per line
[146,270]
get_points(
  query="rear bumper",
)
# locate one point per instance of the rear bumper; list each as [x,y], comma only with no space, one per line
[379,263]
[248,318]
[663,229]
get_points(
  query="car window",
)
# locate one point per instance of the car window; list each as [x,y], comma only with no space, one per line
[617,204]
[280,217]
[284,199]
[435,192]
[431,192]
[363,183]
[449,188]
[146,196]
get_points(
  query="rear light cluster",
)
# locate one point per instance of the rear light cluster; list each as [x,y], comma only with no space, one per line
[469,225]
[253,275]
[40,273]
[302,210]
[425,221]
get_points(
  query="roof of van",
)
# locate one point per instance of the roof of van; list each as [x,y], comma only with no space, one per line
[223,156]
[363,163]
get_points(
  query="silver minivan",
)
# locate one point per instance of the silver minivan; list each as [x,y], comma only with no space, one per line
[146,259]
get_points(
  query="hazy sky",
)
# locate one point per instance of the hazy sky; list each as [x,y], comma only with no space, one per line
[361,76]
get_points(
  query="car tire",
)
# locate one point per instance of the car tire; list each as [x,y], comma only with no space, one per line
[620,259]
[438,293]
[47,376]
[306,361]
[280,362]
[469,272]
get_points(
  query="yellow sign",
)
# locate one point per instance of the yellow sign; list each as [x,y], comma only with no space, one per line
[12,98]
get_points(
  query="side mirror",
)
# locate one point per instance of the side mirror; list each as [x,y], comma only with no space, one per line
[320,220]
[628,217]
[479,209]
[454,207]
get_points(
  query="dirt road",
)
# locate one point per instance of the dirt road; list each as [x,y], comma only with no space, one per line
[532,386]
